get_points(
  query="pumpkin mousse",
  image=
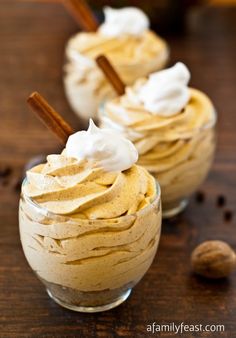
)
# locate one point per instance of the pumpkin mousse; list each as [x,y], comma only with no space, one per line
[126,40]
[172,127]
[90,219]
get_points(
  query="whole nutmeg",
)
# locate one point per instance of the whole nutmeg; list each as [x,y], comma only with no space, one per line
[213,259]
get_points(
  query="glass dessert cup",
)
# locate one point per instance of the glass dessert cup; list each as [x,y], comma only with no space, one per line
[89,265]
[186,169]
[181,181]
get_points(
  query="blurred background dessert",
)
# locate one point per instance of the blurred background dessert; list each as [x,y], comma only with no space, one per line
[127,41]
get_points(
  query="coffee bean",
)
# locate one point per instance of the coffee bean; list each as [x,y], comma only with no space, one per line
[221,200]
[228,215]
[5,171]
[200,197]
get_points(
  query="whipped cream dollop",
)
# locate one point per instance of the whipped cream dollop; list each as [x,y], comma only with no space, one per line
[166,92]
[128,20]
[105,147]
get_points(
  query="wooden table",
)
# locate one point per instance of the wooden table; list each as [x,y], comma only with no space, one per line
[32,39]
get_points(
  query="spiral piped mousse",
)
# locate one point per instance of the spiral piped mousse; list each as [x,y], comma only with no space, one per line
[172,127]
[90,218]
[126,40]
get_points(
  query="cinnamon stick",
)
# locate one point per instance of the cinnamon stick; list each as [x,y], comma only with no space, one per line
[52,119]
[80,10]
[111,74]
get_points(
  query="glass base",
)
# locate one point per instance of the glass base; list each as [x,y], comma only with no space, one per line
[174,209]
[91,309]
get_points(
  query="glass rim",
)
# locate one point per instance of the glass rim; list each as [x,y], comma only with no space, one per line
[51,214]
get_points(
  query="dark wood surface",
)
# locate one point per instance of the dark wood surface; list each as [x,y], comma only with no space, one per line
[32,39]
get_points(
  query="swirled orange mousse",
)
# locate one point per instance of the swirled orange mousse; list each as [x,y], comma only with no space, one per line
[172,127]
[90,219]
[126,40]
